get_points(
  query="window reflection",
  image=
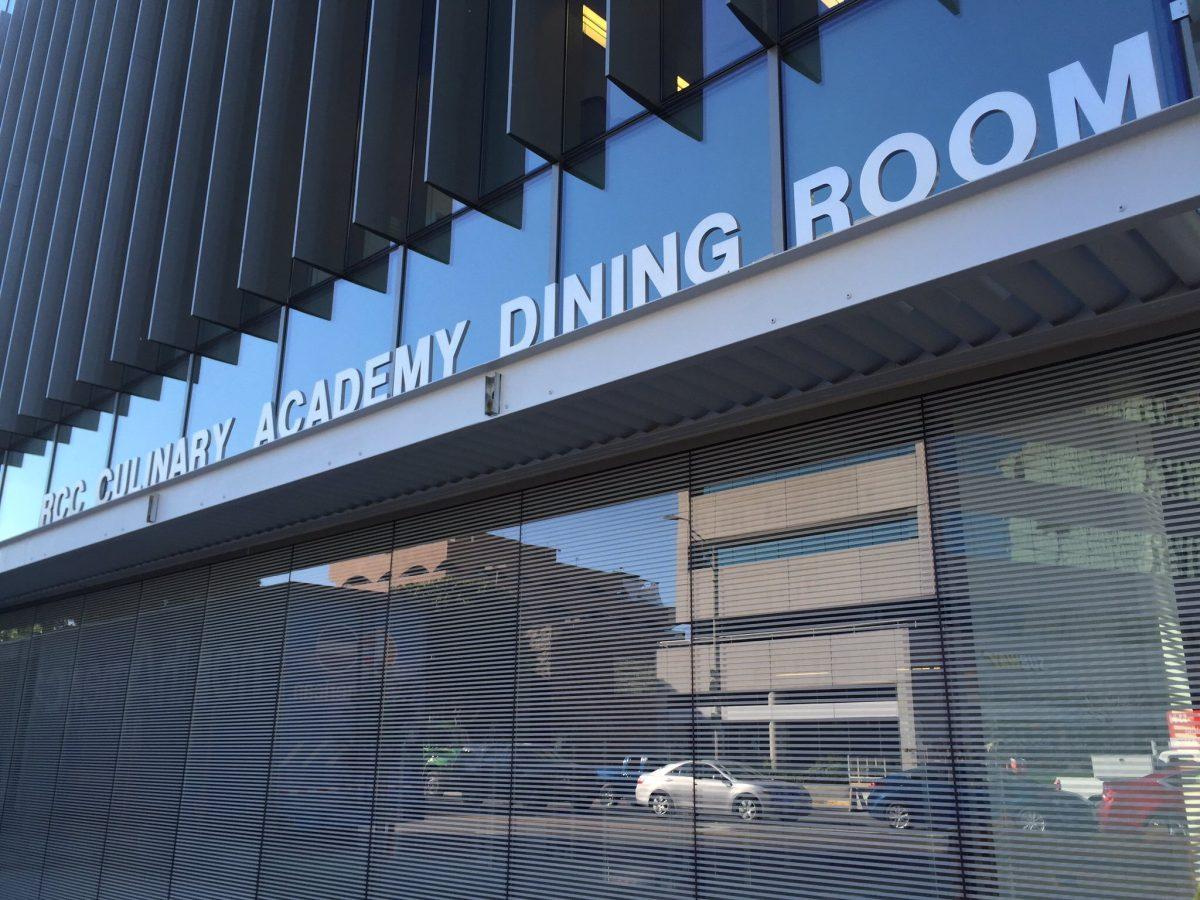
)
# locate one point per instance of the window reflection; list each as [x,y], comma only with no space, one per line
[858,81]
[494,255]
[339,329]
[151,415]
[656,179]
[81,450]
[234,382]
[26,474]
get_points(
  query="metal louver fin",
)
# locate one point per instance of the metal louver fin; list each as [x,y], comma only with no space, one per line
[536,71]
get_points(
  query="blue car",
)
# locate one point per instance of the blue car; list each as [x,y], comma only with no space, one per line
[925,797]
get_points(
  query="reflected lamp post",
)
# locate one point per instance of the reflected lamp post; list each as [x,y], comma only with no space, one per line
[714,673]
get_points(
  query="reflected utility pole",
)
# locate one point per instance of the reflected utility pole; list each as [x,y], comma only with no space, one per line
[714,672]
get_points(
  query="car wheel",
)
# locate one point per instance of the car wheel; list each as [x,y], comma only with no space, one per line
[748,808]
[608,797]
[898,816]
[1031,820]
[661,804]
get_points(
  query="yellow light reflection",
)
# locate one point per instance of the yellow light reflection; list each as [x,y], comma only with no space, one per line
[594,26]
[680,83]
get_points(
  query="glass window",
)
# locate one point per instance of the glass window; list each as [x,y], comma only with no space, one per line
[603,672]
[238,387]
[493,257]
[26,474]
[863,80]
[81,451]
[725,38]
[317,824]
[659,178]
[150,416]
[339,329]
[443,783]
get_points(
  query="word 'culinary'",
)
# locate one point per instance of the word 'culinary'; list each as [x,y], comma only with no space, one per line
[387,375]
[171,460]
[1072,94]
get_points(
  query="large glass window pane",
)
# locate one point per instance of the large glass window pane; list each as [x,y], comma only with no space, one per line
[659,179]
[233,718]
[1067,534]
[603,689]
[149,417]
[79,818]
[912,66]
[81,452]
[725,38]
[339,330]
[221,388]
[817,673]
[35,752]
[494,256]
[26,474]
[144,809]
[442,786]
[317,827]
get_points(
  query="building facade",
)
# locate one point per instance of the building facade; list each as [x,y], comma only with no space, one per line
[534,448]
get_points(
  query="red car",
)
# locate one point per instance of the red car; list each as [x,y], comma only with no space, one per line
[1154,801]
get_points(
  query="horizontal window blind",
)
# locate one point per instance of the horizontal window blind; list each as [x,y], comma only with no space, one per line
[1067,510]
[944,648]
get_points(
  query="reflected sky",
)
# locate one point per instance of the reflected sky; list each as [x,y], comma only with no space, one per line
[362,325]
[222,390]
[21,498]
[144,423]
[872,85]
[490,262]
[657,179]
[81,451]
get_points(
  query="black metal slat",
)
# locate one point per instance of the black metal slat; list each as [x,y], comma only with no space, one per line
[536,70]
[35,398]
[388,120]
[23,174]
[331,131]
[95,363]
[215,296]
[266,255]
[170,320]
[59,119]
[131,344]
[83,242]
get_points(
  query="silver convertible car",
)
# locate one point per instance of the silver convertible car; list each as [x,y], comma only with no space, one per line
[718,788]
